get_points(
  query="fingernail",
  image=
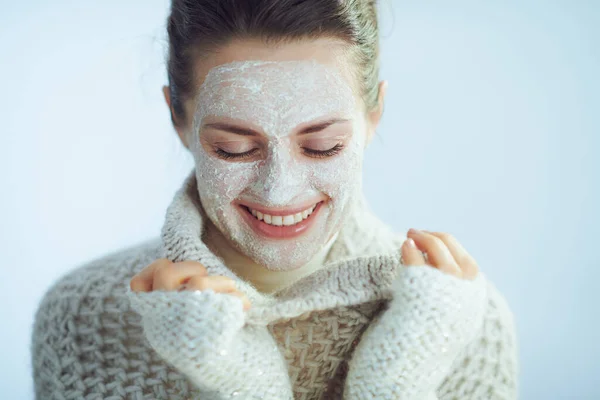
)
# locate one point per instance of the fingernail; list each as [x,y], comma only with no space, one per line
[411,243]
[415,231]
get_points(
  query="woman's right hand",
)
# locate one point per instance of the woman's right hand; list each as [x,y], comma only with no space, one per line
[196,323]
[164,274]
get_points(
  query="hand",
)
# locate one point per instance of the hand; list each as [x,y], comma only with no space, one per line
[187,275]
[443,251]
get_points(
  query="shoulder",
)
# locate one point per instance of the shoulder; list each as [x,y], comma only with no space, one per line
[74,317]
[488,367]
[104,276]
[84,327]
[101,279]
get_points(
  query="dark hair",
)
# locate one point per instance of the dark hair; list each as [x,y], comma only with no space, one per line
[197,26]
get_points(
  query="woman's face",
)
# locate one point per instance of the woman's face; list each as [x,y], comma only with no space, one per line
[278,141]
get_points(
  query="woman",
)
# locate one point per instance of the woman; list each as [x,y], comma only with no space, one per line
[272,279]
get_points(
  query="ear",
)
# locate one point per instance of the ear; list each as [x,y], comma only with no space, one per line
[178,127]
[374,116]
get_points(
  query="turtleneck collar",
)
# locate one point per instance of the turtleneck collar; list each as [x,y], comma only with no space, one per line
[263,279]
[357,266]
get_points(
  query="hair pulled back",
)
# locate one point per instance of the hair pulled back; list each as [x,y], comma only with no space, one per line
[196,27]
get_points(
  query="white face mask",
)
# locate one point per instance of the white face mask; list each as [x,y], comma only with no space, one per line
[277,97]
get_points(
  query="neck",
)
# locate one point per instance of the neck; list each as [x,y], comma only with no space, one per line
[263,279]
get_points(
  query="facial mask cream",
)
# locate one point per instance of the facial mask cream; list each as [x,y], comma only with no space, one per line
[277,97]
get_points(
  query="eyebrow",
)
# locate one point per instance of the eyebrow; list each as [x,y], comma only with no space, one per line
[250,132]
[232,128]
[322,125]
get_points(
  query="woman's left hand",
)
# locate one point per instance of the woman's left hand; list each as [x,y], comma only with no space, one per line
[431,317]
[443,251]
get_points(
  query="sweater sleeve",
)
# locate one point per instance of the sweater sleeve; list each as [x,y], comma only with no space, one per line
[487,368]
[406,353]
[203,334]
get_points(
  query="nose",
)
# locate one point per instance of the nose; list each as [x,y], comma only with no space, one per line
[280,179]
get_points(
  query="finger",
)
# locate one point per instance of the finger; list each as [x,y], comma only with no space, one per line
[438,254]
[142,282]
[171,276]
[411,255]
[465,261]
[220,284]
[245,300]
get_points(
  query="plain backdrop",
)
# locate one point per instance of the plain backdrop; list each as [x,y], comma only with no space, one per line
[491,132]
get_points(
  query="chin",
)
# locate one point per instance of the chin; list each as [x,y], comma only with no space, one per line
[283,254]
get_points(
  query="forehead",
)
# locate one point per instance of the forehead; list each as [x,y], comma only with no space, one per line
[331,52]
[275,95]
[275,82]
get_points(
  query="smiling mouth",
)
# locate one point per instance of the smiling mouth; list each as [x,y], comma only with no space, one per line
[282,220]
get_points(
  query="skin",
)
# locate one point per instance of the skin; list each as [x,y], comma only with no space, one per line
[443,251]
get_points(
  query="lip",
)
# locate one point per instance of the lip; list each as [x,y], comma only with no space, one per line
[279,232]
[279,211]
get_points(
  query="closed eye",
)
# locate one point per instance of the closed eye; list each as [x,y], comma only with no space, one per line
[235,156]
[323,153]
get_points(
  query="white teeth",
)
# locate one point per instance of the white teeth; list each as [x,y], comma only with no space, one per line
[277,220]
[287,220]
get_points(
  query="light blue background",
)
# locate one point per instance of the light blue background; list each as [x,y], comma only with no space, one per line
[491,132]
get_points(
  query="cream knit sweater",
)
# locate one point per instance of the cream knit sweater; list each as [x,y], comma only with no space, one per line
[364,326]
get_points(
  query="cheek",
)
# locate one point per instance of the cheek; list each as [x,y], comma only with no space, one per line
[339,177]
[222,181]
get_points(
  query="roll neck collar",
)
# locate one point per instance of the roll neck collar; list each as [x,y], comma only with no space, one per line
[359,266]
[263,279]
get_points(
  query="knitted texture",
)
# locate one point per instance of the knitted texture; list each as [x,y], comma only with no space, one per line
[408,352]
[200,330]
[95,339]
[317,345]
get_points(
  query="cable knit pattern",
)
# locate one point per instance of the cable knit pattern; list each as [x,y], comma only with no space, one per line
[361,327]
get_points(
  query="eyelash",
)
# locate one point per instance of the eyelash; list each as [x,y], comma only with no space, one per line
[310,152]
[325,153]
[235,156]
